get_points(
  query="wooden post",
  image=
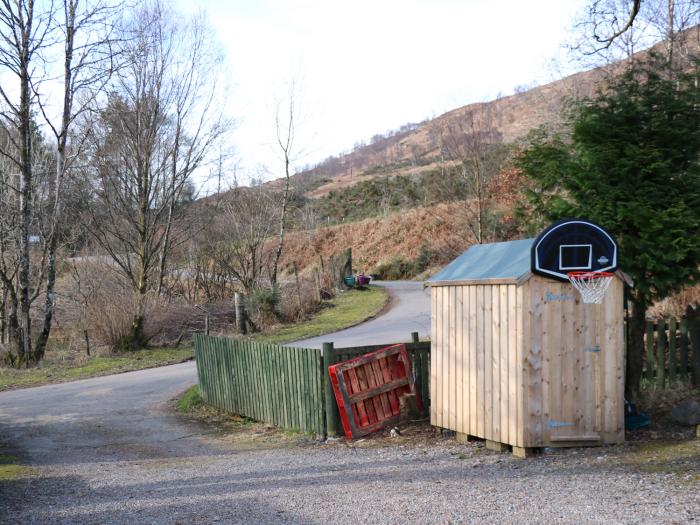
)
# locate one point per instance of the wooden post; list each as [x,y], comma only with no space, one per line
[414,337]
[684,349]
[87,342]
[240,312]
[332,415]
[206,323]
[672,360]
[661,354]
[694,330]
[650,350]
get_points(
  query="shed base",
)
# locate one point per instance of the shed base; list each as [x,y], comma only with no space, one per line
[526,452]
[496,445]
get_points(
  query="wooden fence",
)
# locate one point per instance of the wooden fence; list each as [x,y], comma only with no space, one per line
[672,352]
[283,386]
[278,385]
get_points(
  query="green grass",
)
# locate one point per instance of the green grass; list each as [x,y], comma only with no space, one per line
[10,468]
[190,400]
[344,310]
[57,372]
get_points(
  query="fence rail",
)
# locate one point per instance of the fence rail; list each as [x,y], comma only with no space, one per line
[672,352]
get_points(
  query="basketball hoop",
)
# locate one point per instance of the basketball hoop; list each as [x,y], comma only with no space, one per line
[591,285]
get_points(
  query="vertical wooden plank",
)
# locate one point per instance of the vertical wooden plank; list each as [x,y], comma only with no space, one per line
[683,349]
[292,422]
[650,350]
[481,356]
[504,341]
[437,357]
[585,344]
[445,400]
[460,361]
[247,379]
[513,363]
[254,383]
[464,358]
[661,354]
[496,362]
[538,367]
[571,361]
[672,357]
[552,343]
[522,318]
[451,366]
[263,354]
[473,361]
[614,363]
[434,351]
[488,361]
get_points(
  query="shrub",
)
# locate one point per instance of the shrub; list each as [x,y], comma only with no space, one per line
[397,268]
[263,305]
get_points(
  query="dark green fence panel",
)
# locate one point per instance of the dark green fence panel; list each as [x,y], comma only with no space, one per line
[670,354]
[278,385]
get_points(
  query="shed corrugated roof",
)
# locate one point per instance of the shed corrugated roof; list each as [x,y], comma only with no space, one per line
[498,260]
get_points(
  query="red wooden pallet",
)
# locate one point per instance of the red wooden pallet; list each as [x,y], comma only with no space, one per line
[368,388]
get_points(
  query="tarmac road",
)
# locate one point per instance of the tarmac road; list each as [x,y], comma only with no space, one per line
[409,311]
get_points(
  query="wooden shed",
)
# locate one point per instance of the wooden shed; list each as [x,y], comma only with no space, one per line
[518,359]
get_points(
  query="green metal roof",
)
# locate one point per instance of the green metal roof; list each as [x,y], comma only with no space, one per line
[498,260]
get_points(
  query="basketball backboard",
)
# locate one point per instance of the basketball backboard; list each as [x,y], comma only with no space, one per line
[572,245]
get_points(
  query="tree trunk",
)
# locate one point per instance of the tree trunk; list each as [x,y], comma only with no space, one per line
[25,204]
[635,349]
[283,219]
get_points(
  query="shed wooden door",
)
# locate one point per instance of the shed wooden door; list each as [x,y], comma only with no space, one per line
[574,348]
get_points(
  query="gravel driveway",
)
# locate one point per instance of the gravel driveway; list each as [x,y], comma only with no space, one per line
[440,483]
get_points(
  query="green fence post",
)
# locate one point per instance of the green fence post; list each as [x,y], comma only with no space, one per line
[414,337]
[332,416]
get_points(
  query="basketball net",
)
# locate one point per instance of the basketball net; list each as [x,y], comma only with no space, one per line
[591,285]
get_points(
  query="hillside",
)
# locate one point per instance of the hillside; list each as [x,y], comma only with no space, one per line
[414,149]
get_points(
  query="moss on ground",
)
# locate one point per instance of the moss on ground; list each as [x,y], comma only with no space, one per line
[11,468]
[190,400]
[240,432]
[343,311]
[56,372]
[667,457]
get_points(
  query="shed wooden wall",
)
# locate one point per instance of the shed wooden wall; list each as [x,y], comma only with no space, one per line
[476,382]
[508,361]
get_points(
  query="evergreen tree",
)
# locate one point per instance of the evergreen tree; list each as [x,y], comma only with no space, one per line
[630,163]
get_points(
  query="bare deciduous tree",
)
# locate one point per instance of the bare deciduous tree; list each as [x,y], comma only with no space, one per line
[157,128]
[29,39]
[609,30]
[238,242]
[286,142]
[472,147]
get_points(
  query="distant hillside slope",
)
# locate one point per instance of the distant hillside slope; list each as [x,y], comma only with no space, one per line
[415,148]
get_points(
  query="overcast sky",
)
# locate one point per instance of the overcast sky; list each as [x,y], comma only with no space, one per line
[365,67]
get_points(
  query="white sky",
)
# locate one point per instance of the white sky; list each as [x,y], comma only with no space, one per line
[367,67]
